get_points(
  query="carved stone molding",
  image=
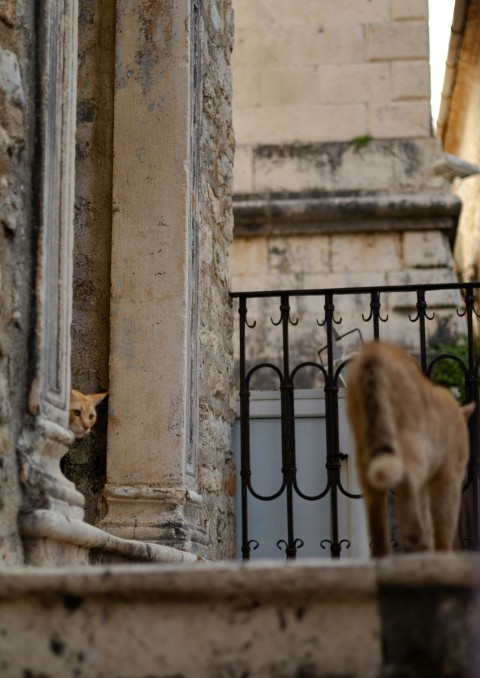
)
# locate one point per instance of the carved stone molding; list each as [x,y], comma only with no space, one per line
[46,438]
[57,65]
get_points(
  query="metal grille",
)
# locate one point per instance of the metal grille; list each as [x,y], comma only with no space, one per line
[331,367]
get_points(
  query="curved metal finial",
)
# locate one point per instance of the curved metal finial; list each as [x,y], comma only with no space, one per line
[255,544]
[276,323]
[375,307]
[421,308]
[379,316]
[469,300]
[297,544]
[428,317]
[243,312]
[287,312]
[284,313]
[329,309]
[339,545]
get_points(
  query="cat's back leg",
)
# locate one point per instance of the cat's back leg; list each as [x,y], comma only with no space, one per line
[376,505]
[414,522]
[445,498]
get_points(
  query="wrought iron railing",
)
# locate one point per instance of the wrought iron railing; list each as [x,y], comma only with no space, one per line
[379,303]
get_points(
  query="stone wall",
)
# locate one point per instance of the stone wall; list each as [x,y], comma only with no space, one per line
[334,179]
[216,470]
[17,159]
[328,71]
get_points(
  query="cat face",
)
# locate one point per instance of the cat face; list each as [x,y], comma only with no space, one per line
[82,414]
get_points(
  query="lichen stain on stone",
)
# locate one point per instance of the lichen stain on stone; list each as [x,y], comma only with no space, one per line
[321,154]
[155,20]
[72,602]
[282,622]
[409,153]
[57,646]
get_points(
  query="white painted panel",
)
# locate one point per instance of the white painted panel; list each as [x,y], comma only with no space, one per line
[268,519]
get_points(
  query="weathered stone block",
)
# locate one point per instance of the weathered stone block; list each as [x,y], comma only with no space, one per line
[325,167]
[293,254]
[406,40]
[409,9]
[339,11]
[353,83]
[249,257]
[418,276]
[243,175]
[275,125]
[413,159]
[289,86]
[247,87]
[341,43]
[411,79]
[332,123]
[265,125]
[367,253]
[429,249]
[407,120]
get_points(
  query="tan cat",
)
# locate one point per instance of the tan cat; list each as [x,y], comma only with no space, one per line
[410,435]
[83,415]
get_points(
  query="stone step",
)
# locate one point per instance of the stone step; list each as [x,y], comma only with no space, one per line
[402,617]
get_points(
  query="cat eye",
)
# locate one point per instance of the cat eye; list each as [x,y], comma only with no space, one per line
[91,416]
[76,413]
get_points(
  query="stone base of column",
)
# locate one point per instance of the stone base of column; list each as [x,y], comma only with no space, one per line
[47,496]
[44,544]
[161,515]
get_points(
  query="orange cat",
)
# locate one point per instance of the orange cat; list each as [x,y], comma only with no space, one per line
[411,436]
[82,414]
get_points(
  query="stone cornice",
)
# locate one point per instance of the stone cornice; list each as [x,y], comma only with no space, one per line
[346,214]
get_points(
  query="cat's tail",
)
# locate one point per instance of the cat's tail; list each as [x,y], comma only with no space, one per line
[385,469]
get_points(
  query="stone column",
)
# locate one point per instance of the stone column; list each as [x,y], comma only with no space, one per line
[150,492]
[48,497]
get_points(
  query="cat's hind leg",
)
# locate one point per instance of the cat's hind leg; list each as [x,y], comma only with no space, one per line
[414,521]
[445,497]
[376,504]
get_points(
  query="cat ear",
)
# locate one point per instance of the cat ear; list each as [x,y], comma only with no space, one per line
[467,410]
[97,398]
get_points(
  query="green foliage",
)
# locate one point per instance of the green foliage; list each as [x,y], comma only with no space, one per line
[448,372]
[361,141]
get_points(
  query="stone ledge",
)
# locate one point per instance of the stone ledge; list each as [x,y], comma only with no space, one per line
[403,616]
[57,528]
[344,214]
[264,579]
